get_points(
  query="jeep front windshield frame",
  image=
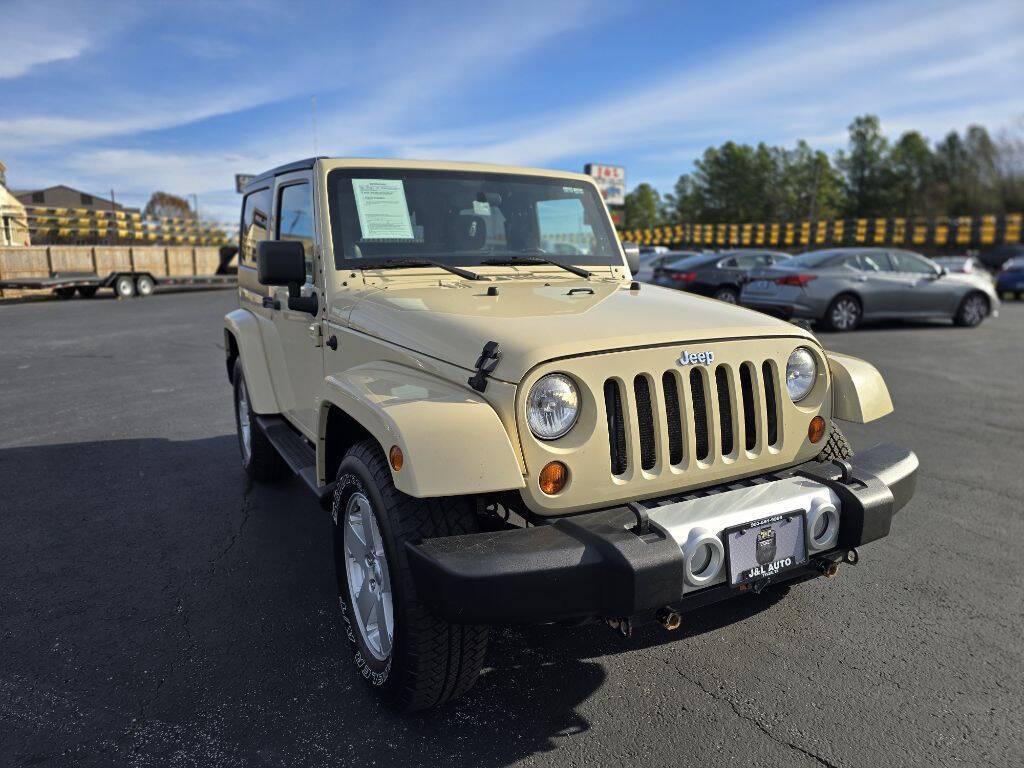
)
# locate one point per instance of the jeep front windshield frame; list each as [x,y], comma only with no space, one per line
[465,218]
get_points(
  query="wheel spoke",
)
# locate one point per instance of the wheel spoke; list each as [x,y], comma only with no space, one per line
[384,623]
[355,542]
[366,602]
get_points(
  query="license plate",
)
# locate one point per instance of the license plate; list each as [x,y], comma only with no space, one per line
[766,548]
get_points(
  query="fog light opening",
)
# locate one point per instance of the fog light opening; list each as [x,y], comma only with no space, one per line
[822,525]
[703,557]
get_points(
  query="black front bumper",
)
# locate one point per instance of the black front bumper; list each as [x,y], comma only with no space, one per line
[593,565]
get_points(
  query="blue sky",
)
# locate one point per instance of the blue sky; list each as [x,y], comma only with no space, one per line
[180,96]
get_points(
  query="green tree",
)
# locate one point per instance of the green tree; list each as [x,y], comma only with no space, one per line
[865,167]
[685,204]
[912,168]
[643,207]
[808,186]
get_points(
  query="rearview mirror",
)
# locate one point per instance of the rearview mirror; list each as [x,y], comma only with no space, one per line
[632,251]
[281,262]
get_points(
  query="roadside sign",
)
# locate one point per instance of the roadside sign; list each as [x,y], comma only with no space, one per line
[611,180]
[241,179]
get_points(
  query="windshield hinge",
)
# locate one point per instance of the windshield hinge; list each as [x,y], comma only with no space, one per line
[485,365]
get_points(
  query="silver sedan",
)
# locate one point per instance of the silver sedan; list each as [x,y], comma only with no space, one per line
[844,286]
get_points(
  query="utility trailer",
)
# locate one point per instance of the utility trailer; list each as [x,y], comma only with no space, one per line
[128,271]
[124,284]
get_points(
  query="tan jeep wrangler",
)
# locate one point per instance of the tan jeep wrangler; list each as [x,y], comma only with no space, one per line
[508,429]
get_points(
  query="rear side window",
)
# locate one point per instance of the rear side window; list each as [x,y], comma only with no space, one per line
[911,262]
[865,262]
[295,220]
[255,215]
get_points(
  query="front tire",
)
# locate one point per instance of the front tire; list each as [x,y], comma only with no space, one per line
[844,313]
[972,310]
[260,458]
[412,658]
[836,447]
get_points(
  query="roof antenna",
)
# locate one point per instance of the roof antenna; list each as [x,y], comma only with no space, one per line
[316,149]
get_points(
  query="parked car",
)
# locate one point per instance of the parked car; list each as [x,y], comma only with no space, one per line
[1010,280]
[719,275]
[658,265]
[843,286]
[964,265]
[656,250]
[505,437]
[649,261]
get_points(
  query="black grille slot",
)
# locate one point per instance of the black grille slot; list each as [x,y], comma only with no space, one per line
[645,422]
[675,426]
[616,427]
[749,418]
[771,407]
[724,408]
[700,415]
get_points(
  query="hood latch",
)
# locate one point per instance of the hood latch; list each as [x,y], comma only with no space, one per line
[485,365]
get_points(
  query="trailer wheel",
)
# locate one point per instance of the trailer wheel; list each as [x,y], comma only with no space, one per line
[64,293]
[144,285]
[87,291]
[124,287]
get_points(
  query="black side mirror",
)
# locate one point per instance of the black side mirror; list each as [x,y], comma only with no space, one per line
[283,262]
[942,271]
[632,251]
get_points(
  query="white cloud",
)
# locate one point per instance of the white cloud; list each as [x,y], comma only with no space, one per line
[849,61]
[40,32]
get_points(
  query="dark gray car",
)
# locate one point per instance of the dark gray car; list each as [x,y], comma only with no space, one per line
[844,286]
[719,275]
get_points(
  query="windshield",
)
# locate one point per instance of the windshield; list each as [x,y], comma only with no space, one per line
[813,259]
[465,218]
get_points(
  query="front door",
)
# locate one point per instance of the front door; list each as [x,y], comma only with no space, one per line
[301,369]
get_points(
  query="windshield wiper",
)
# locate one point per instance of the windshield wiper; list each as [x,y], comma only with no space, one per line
[514,260]
[399,263]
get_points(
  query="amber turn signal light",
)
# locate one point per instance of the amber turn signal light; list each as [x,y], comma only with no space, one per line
[816,429]
[553,477]
[396,457]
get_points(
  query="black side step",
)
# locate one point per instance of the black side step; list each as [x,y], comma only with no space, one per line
[296,451]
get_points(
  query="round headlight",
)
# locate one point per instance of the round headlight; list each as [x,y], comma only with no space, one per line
[801,371]
[552,407]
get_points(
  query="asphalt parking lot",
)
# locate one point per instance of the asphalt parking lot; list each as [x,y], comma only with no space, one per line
[156,609]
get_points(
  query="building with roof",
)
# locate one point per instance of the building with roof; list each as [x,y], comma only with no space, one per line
[63,196]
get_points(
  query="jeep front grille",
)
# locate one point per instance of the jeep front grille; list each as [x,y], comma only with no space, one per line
[731,411]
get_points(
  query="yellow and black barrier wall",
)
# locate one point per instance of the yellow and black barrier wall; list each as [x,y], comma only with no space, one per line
[83,225]
[953,233]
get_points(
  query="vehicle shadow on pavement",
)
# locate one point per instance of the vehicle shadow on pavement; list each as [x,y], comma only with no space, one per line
[157,604]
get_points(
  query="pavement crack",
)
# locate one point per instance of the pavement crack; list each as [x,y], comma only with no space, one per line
[747,718]
[245,508]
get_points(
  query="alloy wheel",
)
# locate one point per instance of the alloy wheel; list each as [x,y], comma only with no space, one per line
[974,310]
[845,314]
[369,582]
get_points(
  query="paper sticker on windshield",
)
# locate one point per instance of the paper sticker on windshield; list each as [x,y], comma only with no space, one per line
[481,209]
[382,208]
[573,190]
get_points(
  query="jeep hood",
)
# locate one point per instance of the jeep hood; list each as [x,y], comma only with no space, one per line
[535,322]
